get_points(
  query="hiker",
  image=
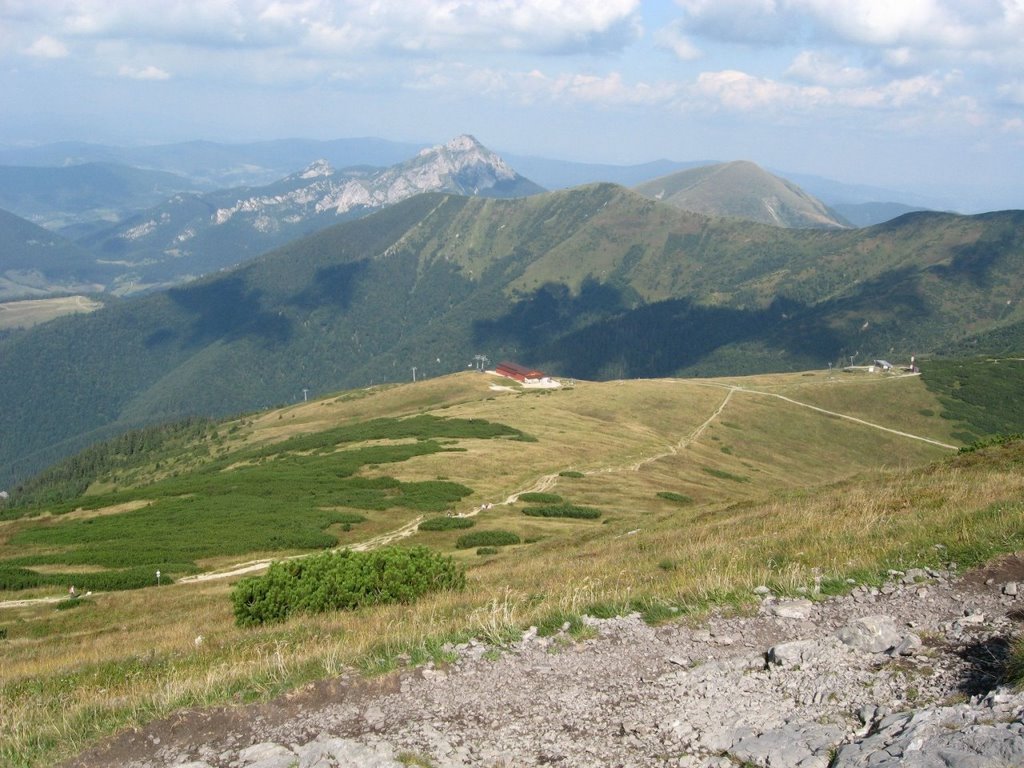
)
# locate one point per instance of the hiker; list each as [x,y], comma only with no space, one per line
[72,594]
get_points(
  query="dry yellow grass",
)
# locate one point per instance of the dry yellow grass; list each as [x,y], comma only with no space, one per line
[122,659]
[25,314]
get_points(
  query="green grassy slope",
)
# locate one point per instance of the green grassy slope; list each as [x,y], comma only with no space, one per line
[742,190]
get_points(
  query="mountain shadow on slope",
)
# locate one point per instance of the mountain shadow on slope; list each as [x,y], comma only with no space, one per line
[602,334]
[227,309]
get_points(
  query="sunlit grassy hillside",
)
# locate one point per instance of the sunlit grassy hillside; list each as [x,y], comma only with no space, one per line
[703,489]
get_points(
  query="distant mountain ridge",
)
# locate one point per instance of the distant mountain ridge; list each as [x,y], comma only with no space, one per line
[216,165]
[75,194]
[35,262]
[869,214]
[742,190]
[194,234]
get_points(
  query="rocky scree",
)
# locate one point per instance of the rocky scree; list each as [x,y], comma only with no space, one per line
[903,675]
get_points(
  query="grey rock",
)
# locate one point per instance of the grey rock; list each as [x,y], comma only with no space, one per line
[788,747]
[267,755]
[908,646]
[914,575]
[965,737]
[327,752]
[794,653]
[792,609]
[1010,588]
[871,634]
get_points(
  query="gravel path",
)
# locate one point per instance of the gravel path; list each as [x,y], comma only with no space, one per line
[905,675]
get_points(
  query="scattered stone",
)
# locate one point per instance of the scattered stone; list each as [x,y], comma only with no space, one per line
[908,646]
[962,736]
[1010,588]
[643,696]
[793,653]
[792,609]
[871,634]
[267,755]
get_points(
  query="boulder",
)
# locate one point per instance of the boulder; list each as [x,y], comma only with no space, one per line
[871,634]
[792,609]
[793,653]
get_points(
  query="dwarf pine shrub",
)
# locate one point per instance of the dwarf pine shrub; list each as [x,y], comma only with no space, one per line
[678,498]
[495,538]
[446,523]
[540,498]
[563,510]
[344,580]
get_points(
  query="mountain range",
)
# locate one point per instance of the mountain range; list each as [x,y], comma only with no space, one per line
[595,282]
[211,165]
[194,233]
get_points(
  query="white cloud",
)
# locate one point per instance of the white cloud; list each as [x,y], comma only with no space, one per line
[545,26]
[1012,93]
[534,86]
[144,73]
[823,68]
[743,92]
[673,39]
[47,47]
[947,25]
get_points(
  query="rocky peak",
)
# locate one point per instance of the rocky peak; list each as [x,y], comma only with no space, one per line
[461,166]
[464,155]
[317,169]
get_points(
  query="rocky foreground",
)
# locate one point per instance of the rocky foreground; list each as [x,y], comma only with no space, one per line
[907,675]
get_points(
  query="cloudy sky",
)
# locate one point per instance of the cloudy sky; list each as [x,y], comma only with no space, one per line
[925,96]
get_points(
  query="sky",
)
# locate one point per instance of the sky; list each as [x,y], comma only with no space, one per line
[921,96]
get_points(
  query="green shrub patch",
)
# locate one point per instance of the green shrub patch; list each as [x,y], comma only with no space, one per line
[343,581]
[563,510]
[540,498]
[14,578]
[495,538]
[570,473]
[678,498]
[723,475]
[487,550]
[446,523]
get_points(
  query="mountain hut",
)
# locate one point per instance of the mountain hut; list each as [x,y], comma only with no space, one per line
[519,372]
